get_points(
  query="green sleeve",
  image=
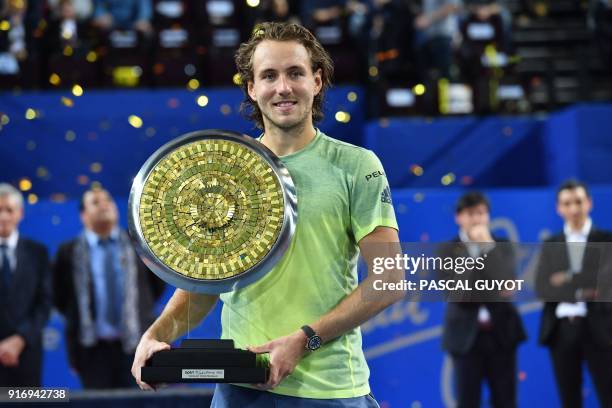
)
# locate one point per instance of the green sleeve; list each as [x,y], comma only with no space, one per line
[370,201]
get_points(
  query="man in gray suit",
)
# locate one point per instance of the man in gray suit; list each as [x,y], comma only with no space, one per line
[25,298]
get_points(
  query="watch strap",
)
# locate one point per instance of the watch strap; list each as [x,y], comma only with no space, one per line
[308,331]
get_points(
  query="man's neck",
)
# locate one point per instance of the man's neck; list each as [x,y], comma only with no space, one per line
[103,232]
[577,228]
[283,142]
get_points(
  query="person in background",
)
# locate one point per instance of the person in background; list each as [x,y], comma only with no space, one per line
[482,330]
[25,296]
[70,15]
[599,21]
[105,293]
[436,28]
[124,15]
[13,40]
[576,322]
[485,10]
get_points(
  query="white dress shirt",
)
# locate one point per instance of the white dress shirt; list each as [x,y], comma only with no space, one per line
[473,248]
[11,243]
[576,244]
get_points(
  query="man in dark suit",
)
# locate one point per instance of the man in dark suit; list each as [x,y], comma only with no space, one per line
[481,329]
[25,298]
[573,279]
[106,294]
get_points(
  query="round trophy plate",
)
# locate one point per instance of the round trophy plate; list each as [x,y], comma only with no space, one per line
[212,211]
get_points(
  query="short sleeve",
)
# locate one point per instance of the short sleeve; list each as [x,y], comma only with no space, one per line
[371,203]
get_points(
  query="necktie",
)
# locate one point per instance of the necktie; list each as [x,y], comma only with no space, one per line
[112,299]
[5,271]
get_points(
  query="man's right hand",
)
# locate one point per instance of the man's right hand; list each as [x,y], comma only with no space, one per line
[146,348]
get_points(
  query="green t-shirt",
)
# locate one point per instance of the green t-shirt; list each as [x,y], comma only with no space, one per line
[343,195]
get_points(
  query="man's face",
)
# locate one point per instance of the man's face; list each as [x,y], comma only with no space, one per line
[99,210]
[10,215]
[574,206]
[470,217]
[284,85]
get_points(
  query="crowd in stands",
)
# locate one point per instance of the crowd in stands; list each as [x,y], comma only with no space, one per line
[57,43]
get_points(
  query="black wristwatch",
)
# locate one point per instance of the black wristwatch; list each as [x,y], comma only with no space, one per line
[313,341]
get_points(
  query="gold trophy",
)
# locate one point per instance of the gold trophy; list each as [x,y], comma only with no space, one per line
[211,212]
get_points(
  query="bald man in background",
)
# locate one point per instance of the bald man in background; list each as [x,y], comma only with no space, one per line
[25,298]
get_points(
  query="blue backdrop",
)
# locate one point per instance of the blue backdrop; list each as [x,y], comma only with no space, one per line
[55,145]
[403,343]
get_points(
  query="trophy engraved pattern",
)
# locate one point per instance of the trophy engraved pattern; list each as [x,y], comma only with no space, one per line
[211,209]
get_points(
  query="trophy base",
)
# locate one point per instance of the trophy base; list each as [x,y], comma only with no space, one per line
[204,361]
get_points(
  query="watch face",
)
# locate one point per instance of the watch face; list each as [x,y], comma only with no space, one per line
[314,343]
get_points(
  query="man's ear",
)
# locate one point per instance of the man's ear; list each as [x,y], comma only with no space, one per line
[251,90]
[318,81]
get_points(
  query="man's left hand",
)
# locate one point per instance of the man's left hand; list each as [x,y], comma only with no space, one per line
[10,350]
[285,353]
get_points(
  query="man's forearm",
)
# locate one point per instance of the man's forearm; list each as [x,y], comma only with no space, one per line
[184,310]
[365,302]
[354,310]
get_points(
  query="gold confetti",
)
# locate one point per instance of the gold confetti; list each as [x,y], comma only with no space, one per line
[448,179]
[77,90]
[416,170]
[135,121]
[193,84]
[202,100]
[42,172]
[419,89]
[95,167]
[226,109]
[30,114]
[91,56]
[67,102]
[70,136]
[343,117]
[25,184]
[55,79]
[32,198]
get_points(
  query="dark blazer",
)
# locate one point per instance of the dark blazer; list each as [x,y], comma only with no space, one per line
[29,300]
[596,272]
[150,288]
[461,324]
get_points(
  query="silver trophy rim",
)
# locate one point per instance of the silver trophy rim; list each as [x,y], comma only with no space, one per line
[247,277]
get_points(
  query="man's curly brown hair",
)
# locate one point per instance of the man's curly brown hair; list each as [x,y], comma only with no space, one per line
[319,59]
